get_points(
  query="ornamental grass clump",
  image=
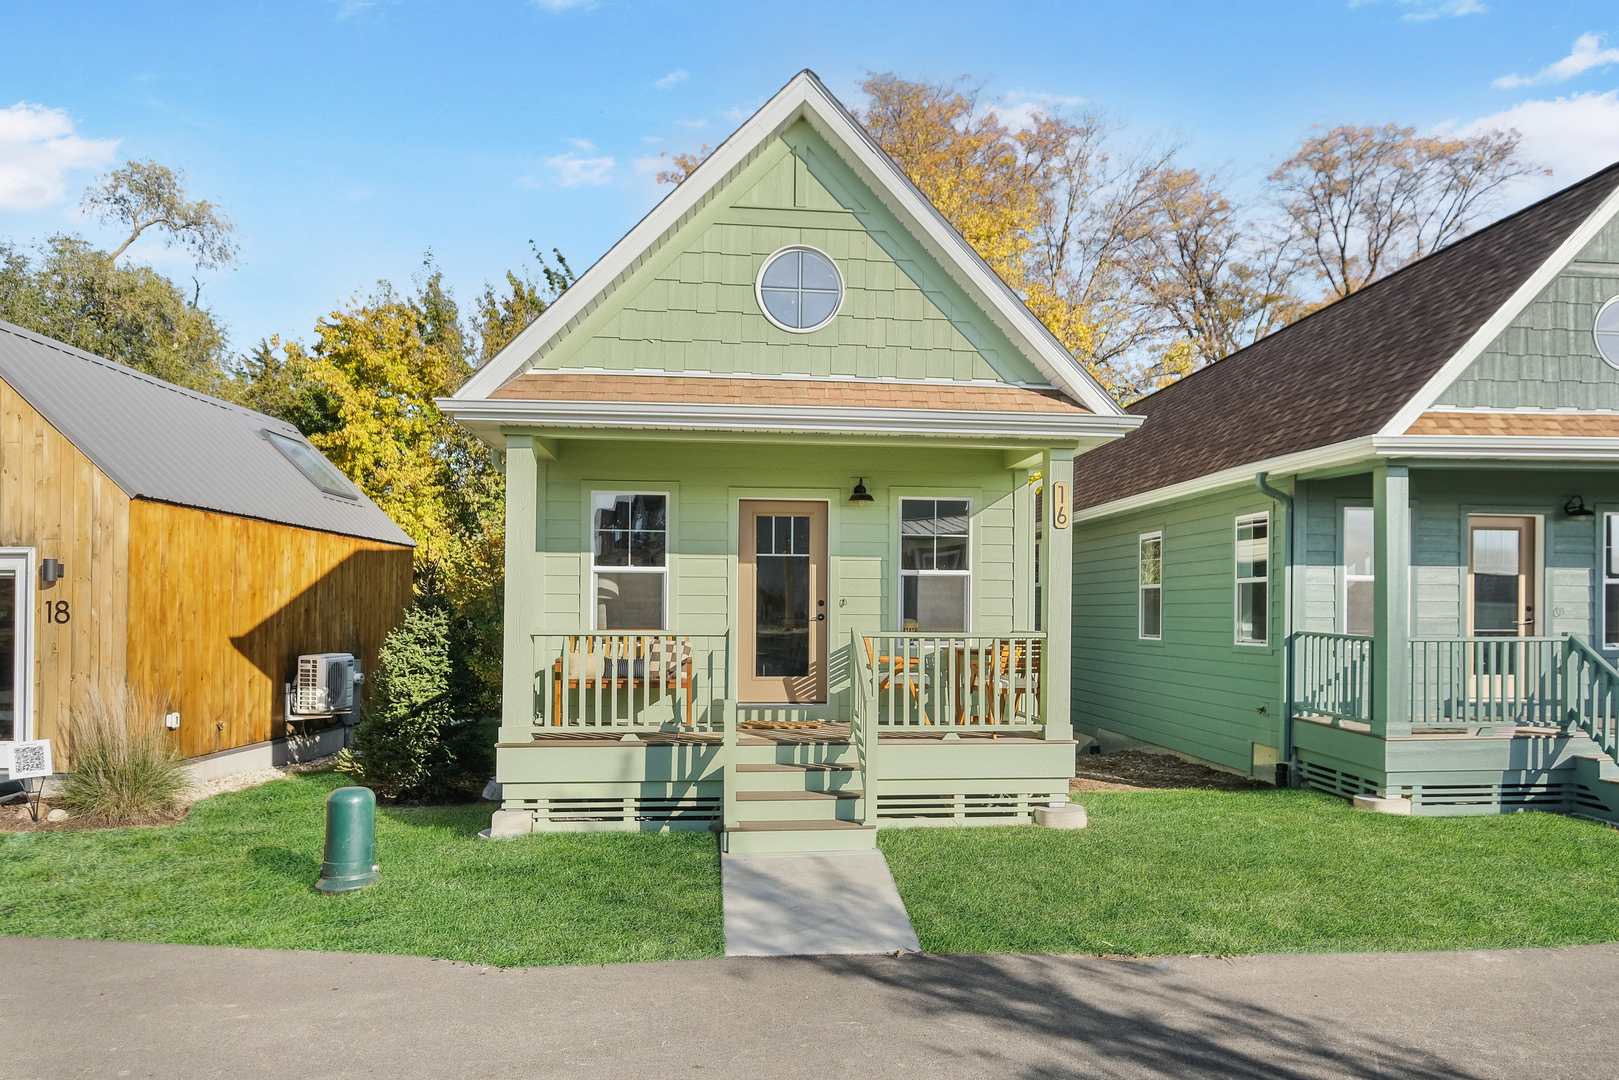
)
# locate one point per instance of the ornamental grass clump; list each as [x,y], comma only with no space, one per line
[124,770]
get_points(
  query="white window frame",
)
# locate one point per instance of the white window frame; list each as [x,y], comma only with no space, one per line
[1239,582]
[1142,540]
[1608,519]
[759,289]
[899,559]
[590,541]
[1343,567]
[23,562]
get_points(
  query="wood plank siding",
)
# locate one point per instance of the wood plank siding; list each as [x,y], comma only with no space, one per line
[52,499]
[221,606]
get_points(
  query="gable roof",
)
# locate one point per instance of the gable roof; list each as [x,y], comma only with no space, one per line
[804,97]
[159,441]
[1351,369]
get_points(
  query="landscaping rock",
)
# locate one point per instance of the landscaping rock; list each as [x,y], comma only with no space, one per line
[57,814]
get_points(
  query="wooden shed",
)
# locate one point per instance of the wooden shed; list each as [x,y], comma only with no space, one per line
[158,538]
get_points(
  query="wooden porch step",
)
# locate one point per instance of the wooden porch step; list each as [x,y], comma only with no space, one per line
[781,767]
[798,826]
[796,796]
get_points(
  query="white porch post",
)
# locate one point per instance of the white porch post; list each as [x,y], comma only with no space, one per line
[1056,590]
[517,694]
[1023,613]
[1391,647]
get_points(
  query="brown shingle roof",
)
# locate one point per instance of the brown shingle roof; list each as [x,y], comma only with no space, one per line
[1547,425]
[808,393]
[1343,371]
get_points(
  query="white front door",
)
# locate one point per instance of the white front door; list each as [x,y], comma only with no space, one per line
[16,640]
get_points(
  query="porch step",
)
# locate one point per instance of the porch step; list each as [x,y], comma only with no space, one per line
[781,767]
[796,795]
[803,807]
[781,780]
[781,837]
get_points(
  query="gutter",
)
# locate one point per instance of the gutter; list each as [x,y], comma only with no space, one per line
[1262,482]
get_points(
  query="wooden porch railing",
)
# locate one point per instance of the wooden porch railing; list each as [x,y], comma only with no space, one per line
[1483,680]
[1591,695]
[1332,676]
[632,680]
[953,682]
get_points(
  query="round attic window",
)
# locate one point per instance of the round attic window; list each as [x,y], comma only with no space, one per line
[1606,332]
[799,289]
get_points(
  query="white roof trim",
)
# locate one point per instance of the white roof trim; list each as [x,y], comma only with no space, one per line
[1500,447]
[1471,349]
[765,418]
[804,96]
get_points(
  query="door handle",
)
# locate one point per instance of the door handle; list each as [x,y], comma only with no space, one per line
[821,617]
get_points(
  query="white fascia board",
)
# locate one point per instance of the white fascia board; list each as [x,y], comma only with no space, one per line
[1503,317]
[775,418]
[803,96]
[1320,457]
[1499,447]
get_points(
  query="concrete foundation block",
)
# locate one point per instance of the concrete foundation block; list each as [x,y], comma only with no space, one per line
[504,824]
[1067,816]
[1377,804]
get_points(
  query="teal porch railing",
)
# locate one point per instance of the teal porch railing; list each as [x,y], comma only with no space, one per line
[1478,681]
[1332,676]
[952,682]
[627,681]
[1591,695]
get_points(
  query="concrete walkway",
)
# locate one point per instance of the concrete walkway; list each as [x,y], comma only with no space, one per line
[813,905]
[94,1009]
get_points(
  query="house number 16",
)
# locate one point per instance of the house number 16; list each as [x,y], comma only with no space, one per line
[1059,505]
[58,611]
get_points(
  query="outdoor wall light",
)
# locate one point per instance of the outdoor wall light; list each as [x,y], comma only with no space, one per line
[860,494]
[1576,508]
[51,571]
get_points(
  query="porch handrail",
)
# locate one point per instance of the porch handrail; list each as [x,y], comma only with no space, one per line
[1591,694]
[1332,676]
[1478,681]
[955,682]
[863,724]
[631,680]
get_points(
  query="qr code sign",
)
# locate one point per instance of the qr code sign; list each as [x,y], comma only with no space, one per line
[30,759]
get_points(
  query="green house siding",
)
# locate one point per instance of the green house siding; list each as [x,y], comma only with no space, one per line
[1194,691]
[705,482]
[1547,358]
[691,306]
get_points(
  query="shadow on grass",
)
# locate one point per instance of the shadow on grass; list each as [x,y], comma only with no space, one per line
[1136,1018]
[286,863]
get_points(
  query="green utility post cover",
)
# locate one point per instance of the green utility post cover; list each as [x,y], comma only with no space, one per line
[351,841]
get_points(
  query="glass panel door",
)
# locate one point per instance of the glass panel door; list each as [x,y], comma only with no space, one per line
[1500,607]
[10,723]
[782,602]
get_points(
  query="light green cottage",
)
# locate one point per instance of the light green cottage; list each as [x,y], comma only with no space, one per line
[1380,548]
[774,563]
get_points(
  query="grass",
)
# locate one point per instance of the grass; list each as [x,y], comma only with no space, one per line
[1209,872]
[239,870]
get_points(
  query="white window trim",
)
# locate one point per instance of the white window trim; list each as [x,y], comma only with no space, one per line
[759,286]
[1239,582]
[899,559]
[27,586]
[1596,339]
[1142,587]
[1343,563]
[590,541]
[1606,578]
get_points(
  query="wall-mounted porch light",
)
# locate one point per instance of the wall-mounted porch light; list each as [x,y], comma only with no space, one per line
[860,494]
[1576,508]
[51,571]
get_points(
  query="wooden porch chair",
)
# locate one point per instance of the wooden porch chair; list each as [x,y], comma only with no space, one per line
[650,661]
[1013,671]
[889,668]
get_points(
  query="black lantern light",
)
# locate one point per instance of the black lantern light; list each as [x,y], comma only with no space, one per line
[1576,508]
[860,494]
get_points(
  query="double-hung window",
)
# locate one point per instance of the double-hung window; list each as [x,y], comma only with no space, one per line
[629,572]
[1150,586]
[935,575]
[1359,578]
[1610,581]
[1253,579]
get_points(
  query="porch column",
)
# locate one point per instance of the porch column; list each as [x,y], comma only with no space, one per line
[1391,602]
[1056,590]
[1023,613]
[523,479]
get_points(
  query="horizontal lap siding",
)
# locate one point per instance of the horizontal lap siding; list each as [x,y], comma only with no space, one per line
[1195,691]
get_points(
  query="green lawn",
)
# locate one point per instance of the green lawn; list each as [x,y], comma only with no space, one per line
[239,871]
[1265,871]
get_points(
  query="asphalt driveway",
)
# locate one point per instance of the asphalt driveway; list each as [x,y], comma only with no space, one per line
[100,1009]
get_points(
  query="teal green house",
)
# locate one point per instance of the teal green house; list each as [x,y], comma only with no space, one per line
[1377,553]
[788,541]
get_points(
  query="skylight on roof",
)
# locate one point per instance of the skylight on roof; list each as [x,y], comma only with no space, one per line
[316,469]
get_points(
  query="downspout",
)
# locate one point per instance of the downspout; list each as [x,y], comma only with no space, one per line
[1262,482]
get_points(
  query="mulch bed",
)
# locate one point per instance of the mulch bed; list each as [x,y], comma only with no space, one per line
[15,817]
[1141,770]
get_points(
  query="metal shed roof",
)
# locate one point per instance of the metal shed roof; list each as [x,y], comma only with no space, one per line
[159,441]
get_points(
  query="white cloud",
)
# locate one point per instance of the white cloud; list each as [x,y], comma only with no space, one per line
[580,170]
[1421,11]
[1587,55]
[38,149]
[692,123]
[1018,109]
[557,7]
[582,144]
[673,79]
[344,10]
[1573,136]
[649,164]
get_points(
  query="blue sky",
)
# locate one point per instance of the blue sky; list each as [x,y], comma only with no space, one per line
[346,138]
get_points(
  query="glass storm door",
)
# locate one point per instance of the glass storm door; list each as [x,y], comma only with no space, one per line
[781,584]
[1500,595]
[14,627]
